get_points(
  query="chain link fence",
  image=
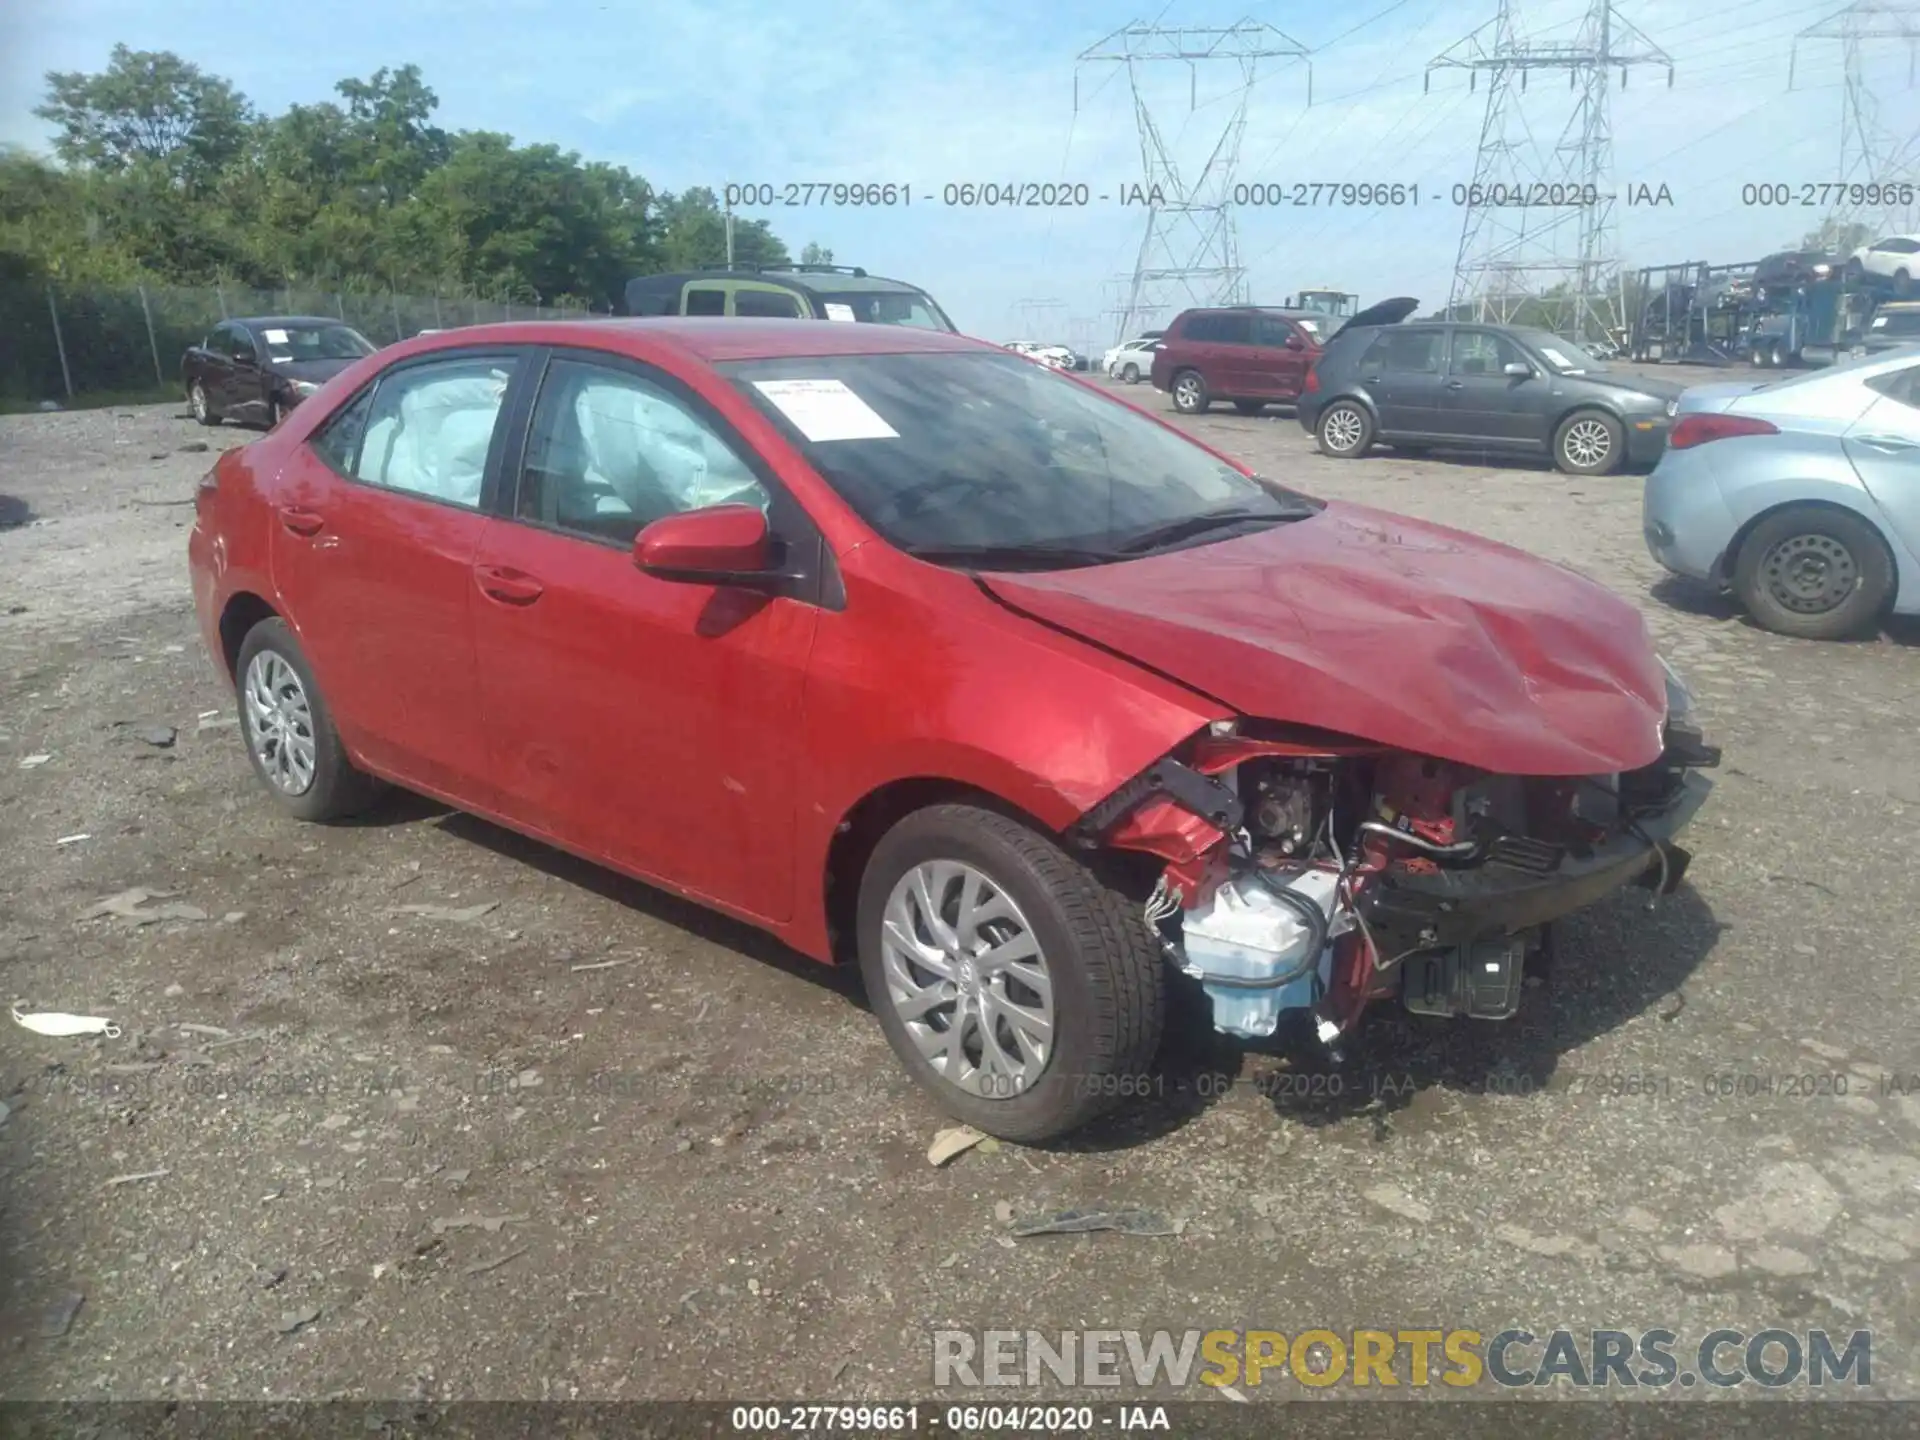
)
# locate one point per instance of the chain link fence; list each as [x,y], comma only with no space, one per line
[79,345]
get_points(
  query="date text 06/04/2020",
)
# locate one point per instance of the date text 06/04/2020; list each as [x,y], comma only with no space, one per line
[1079,194]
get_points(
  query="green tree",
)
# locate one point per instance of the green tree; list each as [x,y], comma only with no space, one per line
[816,254]
[146,106]
[694,233]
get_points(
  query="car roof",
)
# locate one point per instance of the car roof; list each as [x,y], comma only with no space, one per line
[261,322]
[837,281]
[1281,310]
[715,339]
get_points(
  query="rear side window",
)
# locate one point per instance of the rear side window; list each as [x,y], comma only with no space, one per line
[1405,351]
[338,442]
[766,304]
[1898,386]
[431,425]
[706,302]
[1221,328]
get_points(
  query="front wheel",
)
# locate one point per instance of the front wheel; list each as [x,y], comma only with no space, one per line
[289,731]
[1814,573]
[202,408]
[1014,984]
[1345,430]
[1190,393]
[1589,442]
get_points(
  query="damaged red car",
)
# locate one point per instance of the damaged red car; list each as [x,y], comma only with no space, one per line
[921,656]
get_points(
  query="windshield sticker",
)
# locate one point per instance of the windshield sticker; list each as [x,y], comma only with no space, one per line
[1879,322]
[276,337]
[839,312]
[1554,357]
[826,410]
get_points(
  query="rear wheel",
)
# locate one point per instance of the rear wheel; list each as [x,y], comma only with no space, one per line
[1190,393]
[289,731]
[1130,374]
[1814,573]
[1589,442]
[1013,983]
[1777,357]
[1345,430]
[202,408]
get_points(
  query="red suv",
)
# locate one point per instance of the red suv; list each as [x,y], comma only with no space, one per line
[1248,354]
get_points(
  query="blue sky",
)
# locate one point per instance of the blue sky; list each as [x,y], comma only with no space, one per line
[931,92]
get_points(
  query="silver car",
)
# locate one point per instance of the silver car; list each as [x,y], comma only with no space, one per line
[1801,496]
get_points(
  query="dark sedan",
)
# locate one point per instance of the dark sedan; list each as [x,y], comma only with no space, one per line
[255,370]
[1484,387]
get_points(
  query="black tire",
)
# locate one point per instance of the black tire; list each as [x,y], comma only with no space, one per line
[201,405]
[1777,357]
[1107,972]
[1190,395]
[1842,545]
[1902,283]
[337,789]
[1130,374]
[1249,407]
[1338,435]
[1580,429]
[273,412]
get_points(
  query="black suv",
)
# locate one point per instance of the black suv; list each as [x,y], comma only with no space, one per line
[1483,387]
[795,292]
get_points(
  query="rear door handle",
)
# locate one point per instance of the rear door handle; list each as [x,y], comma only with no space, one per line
[301,522]
[1889,443]
[510,586]
[1456,384]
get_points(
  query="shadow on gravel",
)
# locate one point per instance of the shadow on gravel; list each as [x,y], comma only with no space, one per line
[1692,597]
[1616,962]
[14,512]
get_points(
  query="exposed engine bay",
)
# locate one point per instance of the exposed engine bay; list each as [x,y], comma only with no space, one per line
[1320,874]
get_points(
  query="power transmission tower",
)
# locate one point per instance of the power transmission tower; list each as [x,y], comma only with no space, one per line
[1036,316]
[1870,155]
[1511,249]
[1190,253]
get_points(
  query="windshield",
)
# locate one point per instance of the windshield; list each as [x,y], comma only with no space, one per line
[1563,355]
[286,343]
[988,453]
[1905,323]
[887,307]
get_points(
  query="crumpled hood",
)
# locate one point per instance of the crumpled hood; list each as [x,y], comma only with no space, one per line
[1411,635]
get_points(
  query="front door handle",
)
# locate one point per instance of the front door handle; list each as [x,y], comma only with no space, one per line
[513,587]
[1456,384]
[301,522]
[1890,443]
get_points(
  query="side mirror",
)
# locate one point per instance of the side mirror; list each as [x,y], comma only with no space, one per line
[1519,371]
[1294,342]
[720,545]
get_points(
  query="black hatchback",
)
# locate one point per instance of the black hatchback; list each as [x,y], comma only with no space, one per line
[1438,384]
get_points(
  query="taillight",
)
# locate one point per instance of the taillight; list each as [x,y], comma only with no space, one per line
[1698,428]
[1313,380]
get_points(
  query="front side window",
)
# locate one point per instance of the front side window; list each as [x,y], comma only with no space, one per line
[1563,355]
[987,455]
[1272,332]
[1481,352]
[429,428]
[706,301]
[240,344]
[609,453]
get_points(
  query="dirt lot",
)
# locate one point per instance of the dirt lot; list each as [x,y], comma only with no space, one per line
[699,1172]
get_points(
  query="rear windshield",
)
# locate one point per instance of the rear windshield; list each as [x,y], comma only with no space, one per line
[911,308]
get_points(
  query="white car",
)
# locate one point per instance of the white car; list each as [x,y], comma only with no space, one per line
[1131,360]
[1054,357]
[1896,258]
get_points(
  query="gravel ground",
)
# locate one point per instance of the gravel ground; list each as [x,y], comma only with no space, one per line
[593,1144]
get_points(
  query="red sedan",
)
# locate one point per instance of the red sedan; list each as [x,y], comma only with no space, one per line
[906,649]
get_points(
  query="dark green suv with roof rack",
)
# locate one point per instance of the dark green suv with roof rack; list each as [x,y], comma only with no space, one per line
[793,292]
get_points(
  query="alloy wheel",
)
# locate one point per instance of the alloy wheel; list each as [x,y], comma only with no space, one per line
[1587,443]
[1810,574]
[1131,374]
[1186,393]
[279,723]
[197,398]
[1342,428]
[967,978]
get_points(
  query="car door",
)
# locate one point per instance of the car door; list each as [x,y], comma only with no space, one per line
[1483,402]
[653,723]
[246,375]
[1402,371]
[1278,362]
[216,367]
[1884,445]
[379,516]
